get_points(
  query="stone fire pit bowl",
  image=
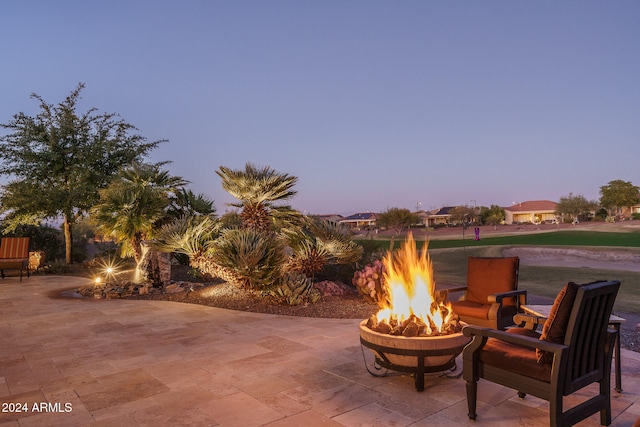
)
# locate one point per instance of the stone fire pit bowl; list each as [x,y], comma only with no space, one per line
[416,355]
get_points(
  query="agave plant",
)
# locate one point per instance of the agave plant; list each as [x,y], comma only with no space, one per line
[295,289]
[254,258]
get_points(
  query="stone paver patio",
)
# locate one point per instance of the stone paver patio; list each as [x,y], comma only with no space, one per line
[138,363]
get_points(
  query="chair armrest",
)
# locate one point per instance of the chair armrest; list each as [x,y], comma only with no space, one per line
[493,298]
[444,292]
[523,340]
[528,321]
[456,289]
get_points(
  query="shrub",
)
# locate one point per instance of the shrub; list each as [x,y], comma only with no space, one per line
[370,283]
[253,257]
[44,238]
[295,289]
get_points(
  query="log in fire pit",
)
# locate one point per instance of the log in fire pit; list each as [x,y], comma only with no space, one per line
[415,332]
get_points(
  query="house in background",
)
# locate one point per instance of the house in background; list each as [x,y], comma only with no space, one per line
[534,211]
[441,216]
[360,220]
[331,217]
[629,212]
[424,218]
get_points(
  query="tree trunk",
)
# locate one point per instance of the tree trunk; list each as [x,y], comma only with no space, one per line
[68,241]
[136,247]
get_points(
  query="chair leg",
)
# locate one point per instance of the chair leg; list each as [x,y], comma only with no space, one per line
[555,410]
[472,394]
[605,413]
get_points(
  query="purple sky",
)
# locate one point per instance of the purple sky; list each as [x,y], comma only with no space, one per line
[372,104]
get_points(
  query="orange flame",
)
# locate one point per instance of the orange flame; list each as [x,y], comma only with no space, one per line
[411,288]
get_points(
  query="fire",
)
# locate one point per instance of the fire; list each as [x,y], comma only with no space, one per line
[412,308]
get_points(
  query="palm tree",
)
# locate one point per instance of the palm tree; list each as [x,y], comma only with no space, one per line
[254,258]
[134,204]
[187,203]
[194,236]
[258,190]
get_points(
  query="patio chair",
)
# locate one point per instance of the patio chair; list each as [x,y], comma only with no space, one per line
[14,254]
[491,295]
[573,351]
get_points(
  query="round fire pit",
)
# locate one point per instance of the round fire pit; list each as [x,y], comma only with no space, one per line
[417,355]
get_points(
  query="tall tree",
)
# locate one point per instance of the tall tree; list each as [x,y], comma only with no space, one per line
[619,194]
[493,215]
[397,219]
[59,159]
[574,206]
[135,204]
[463,214]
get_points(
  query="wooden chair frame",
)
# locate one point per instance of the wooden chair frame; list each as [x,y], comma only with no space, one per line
[583,358]
[14,254]
[496,318]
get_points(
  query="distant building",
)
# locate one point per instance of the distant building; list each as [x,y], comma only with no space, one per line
[331,217]
[534,211]
[360,220]
[630,211]
[424,217]
[440,216]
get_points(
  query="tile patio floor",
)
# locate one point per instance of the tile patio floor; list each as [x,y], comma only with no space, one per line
[145,363]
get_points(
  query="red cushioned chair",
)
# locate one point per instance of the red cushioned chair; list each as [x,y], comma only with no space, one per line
[574,350]
[491,295]
[14,254]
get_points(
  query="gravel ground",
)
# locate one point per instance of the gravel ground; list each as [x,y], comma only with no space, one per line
[229,297]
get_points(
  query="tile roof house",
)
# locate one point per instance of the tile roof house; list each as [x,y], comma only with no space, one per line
[359,220]
[424,217]
[629,212]
[533,211]
[440,216]
[331,217]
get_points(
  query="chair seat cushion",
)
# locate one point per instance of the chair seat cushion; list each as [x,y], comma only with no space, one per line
[480,311]
[13,262]
[471,309]
[515,358]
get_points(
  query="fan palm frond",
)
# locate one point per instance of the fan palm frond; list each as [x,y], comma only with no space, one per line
[189,235]
[254,258]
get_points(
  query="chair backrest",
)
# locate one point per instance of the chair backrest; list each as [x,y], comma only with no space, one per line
[14,248]
[586,334]
[486,276]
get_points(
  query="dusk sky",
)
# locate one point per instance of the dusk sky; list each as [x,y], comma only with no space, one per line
[371,104]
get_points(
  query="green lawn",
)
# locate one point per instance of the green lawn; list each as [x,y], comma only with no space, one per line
[449,265]
[556,238]
[449,262]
